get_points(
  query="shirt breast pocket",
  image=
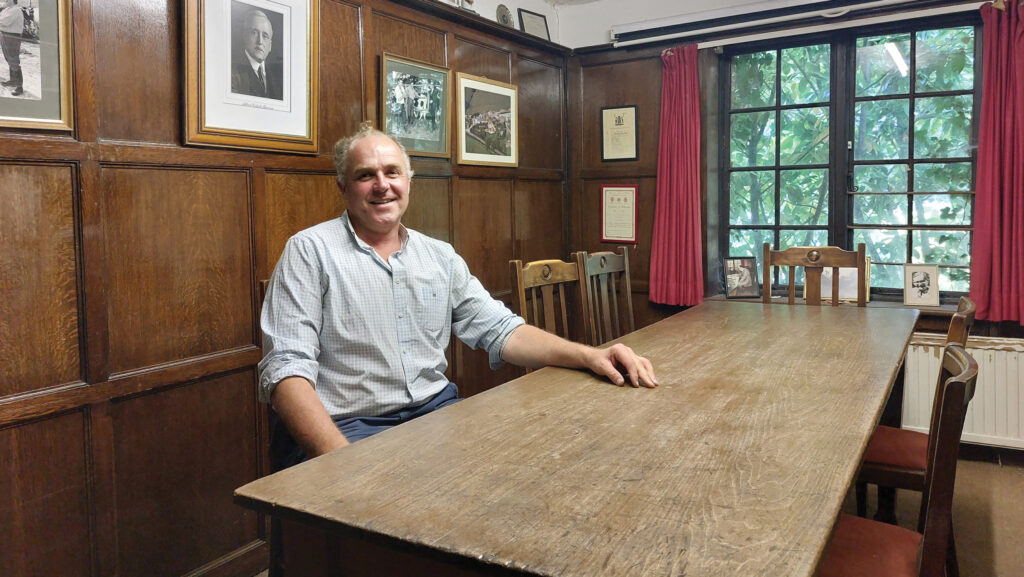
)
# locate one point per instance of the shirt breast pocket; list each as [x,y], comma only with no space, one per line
[432,307]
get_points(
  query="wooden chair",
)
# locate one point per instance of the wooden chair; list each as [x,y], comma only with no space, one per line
[814,260]
[608,297]
[861,547]
[897,458]
[541,288]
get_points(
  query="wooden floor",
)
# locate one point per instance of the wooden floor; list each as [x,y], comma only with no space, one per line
[988,514]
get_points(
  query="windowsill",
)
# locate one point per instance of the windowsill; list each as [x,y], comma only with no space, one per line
[944,310]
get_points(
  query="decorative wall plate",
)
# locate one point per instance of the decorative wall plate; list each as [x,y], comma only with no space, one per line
[505,16]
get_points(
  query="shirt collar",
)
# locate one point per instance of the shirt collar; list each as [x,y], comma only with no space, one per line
[403,234]
[256,64]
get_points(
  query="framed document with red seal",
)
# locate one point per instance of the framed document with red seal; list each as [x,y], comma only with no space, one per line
[618,213]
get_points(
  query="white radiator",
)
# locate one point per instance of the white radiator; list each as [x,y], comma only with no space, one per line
[996,415]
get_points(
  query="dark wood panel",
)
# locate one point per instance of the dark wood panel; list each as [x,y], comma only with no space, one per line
[484,233]
[180,266]
[178,456]
[138,80]
[429,208]
[628,83]
[43,499]
[341,74]
[295,202]
[541,101]
[39,341]
[408,38]
[539,221]
[481,60]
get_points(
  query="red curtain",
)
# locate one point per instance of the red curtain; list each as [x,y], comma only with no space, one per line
[677,270]
[997,261]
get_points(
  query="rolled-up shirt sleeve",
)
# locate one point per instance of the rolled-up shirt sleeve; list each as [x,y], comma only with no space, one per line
[292,318]
[478,319]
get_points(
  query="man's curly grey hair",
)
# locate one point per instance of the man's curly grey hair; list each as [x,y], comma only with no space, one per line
[343,146]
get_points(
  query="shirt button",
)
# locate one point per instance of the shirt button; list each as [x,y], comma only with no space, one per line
[400,315]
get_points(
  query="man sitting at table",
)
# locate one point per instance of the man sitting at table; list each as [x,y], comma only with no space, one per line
[360,309]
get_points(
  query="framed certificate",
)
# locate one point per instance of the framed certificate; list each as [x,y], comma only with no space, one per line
[618,213]
[618,133]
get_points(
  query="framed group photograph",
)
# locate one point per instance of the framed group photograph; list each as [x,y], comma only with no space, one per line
[618,213]
[488,122]
[618,133]
[35,72]
[534,23]
[251,74]
[741,278]
[414,105]
[921,285]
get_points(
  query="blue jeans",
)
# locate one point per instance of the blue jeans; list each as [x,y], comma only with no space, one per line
[284,452]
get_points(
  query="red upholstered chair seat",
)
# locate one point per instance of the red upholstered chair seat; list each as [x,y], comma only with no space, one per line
[898,448]
[864,548]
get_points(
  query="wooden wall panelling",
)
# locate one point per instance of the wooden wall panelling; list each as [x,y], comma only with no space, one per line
[44,498]
[639,253]
[473,57]
[293,202]
[429,209]
[483,235]
[172,520]
[39,306]
[342,103]
[179,263]
[636,82]
[138,79]
[539,221]
[541,116]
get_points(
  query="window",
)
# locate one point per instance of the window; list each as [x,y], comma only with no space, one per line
[858,137]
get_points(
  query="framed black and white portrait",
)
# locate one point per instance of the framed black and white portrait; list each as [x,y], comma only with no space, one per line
[921,285]
[35,69]
[741,278]
[251,74]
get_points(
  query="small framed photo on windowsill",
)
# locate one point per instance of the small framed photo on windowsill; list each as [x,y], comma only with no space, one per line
[741,278]
[921,285]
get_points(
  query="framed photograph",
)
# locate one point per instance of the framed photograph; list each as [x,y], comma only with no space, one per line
[921,285]
[847,283]
[618,133]
[741,278]
[414,105]
[251,74]
[533,23]
[618,213]
[488,122]
[35,71]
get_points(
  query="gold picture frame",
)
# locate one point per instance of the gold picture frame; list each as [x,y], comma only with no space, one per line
[47,98]
[488,123]
[251,70]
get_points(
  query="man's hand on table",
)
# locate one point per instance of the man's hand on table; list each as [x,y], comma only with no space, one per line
[622,365]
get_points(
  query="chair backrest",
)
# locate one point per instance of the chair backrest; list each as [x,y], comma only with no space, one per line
[957,379]
[541,289]
[814,259]
[962,322]
[607,295]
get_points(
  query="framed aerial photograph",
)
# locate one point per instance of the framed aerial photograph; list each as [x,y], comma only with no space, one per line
[36,90]
[488,122]
[618,213]
[741,278]
[921,285]
[618,133]
[414,105]
[534,23]
[251,74]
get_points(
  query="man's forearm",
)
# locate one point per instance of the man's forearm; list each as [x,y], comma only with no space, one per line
[531,347]
[306,418]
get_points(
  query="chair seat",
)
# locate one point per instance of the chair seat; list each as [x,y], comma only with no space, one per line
[865,548]
[897,448]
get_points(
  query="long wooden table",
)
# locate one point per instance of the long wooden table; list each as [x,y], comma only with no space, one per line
[737,464]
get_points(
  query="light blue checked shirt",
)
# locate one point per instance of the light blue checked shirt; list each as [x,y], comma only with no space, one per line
[369,334]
